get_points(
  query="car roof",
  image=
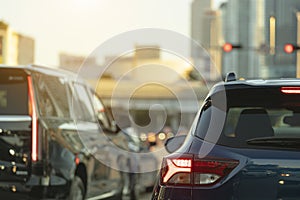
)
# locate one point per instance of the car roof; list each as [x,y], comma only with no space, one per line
[47,70]
[255,83]
[267,82]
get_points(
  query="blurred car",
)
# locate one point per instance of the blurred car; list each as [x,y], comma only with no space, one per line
[47,122]
[121,144]
[243,144]
[140,174]
[144,164]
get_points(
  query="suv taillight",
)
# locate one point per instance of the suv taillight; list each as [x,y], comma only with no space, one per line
[34,122]
[290,90]
[188,170]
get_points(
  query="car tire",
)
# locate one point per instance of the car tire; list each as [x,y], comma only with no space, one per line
[77,190]
[136,188]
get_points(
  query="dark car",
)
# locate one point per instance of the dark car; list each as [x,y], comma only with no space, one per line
[47,124]
[140,168]
[143,164]
[243,144]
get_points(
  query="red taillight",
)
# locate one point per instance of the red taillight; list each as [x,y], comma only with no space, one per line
[290,90]
[34,124]
[77,160]
[190,171]
[176,166]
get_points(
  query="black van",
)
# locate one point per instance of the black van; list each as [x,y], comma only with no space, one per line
[47,119]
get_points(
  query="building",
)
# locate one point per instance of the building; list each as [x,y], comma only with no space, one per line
[74,63]
[206,31]
[261,28]
[152,90]
[15,48]
[282,21]
[243,26]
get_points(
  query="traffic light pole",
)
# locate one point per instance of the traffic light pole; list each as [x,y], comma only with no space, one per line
[298,43]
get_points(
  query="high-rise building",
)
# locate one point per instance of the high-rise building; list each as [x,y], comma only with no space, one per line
[261,28]
[206,32]
[281,28]
[242,26]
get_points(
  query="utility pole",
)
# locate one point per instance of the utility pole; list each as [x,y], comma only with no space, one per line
[298,43]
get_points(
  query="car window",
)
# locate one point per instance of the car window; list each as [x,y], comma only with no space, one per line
[13,92]
[101,112]
[204,120]
[52,95]
[84,110]
[278,119]
[254,115]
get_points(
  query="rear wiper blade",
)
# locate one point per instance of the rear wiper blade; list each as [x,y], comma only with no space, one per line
[274,141]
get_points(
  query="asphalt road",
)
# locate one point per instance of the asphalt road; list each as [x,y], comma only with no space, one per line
[142,196]
[145,196]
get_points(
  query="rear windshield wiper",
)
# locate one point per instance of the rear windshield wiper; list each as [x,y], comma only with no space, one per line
[276,141]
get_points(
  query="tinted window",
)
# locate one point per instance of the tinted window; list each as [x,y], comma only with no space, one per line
[101,112]
[52,95]
[13,92]
[204,120]
[255,114]
[83,101]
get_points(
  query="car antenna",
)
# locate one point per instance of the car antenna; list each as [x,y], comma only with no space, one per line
[230,77]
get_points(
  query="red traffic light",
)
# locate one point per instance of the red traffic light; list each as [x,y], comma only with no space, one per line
[227,47]
[289,48]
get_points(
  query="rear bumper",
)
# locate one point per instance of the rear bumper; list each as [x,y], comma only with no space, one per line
[36,187]
[225,192]
[162,193]
[15,196]
[185,193]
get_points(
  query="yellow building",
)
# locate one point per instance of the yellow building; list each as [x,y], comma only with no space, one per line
[15,48]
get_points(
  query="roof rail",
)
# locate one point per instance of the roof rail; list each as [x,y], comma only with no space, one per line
[230,77]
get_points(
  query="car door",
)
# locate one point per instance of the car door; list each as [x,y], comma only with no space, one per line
[103,182]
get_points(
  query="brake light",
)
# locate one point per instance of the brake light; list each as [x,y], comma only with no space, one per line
[34,124]
[77,160]
[177,166]
[191,171]
[290,90]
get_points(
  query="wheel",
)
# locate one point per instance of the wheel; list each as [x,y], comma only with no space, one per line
[77,190]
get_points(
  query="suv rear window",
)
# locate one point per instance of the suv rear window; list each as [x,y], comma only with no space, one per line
[13,92]
[255,113]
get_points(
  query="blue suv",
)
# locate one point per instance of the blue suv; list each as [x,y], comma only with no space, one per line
[244,144]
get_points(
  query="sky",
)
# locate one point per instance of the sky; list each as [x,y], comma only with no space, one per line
[79,26]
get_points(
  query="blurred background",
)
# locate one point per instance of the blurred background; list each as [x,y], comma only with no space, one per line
[63,33]
[255,39]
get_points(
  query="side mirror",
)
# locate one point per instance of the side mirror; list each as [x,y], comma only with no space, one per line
[114,127]
[174,143]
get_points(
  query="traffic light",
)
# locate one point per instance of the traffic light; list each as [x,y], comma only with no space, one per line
[290,48]
[228,47]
